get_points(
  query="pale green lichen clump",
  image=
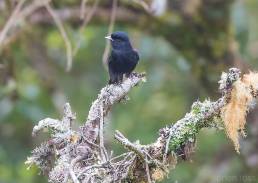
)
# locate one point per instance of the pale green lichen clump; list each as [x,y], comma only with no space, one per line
[186,129]
[203,114]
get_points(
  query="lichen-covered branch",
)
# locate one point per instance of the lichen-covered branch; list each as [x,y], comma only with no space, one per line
[108,96]
[71,156]
[80,156]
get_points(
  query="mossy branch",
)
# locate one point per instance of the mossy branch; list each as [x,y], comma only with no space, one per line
[82,157]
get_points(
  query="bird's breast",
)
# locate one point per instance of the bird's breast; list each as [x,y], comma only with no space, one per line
[124,61]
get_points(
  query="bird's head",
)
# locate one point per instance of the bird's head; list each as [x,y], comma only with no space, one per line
[119,40]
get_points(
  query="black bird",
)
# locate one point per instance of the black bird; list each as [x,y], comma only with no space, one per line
[122,59]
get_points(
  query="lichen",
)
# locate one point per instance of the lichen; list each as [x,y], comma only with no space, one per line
[234,112]
[186,129]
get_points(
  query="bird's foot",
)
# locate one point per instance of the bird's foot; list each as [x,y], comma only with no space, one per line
[124,99]
[135,74]
[110,82]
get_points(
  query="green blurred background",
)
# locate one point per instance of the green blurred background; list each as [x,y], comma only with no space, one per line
[34,84]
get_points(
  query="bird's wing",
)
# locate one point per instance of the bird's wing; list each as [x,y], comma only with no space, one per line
[110,61]
[114,62]
[137,57]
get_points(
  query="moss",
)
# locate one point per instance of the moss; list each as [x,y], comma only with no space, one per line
[196,107]
[187,133]
[186,129]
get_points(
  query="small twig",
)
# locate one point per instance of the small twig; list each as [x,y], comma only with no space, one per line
[83,7]
[137,149]
[68,116]
[127,144]
[121,155]
[166,147]
[88,168]
[84,23]
[73,162]
[89,15]
[125,165]
[90,143]
[89,179]
[21,16]
[64,35]
[143,4]
[147,172]
[101,135]
[76,160]
[122,162]
[110,30]
[11,21]
[111,155]
[73,176]
[28,10]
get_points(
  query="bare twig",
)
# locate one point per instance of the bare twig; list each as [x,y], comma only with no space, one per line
[84,24]
[103,150]
[21,16]
[90,143]
[32,7]
[166,147]
[11,21]
[143,4]
[88,168]
[73,176]
[89,15]
[147,172]
[73,162]
[83,7]
[130,146]
[121,155]
[110,30]
[64,36]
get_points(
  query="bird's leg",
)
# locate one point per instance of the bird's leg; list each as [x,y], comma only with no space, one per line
[113,78]
[119,83]
[120,78]
[111,81]
[134,74]
[128,74]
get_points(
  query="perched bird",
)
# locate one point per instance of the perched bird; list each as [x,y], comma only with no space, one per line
[122,59]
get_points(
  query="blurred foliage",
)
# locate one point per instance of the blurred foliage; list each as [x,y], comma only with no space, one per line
[32,89]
